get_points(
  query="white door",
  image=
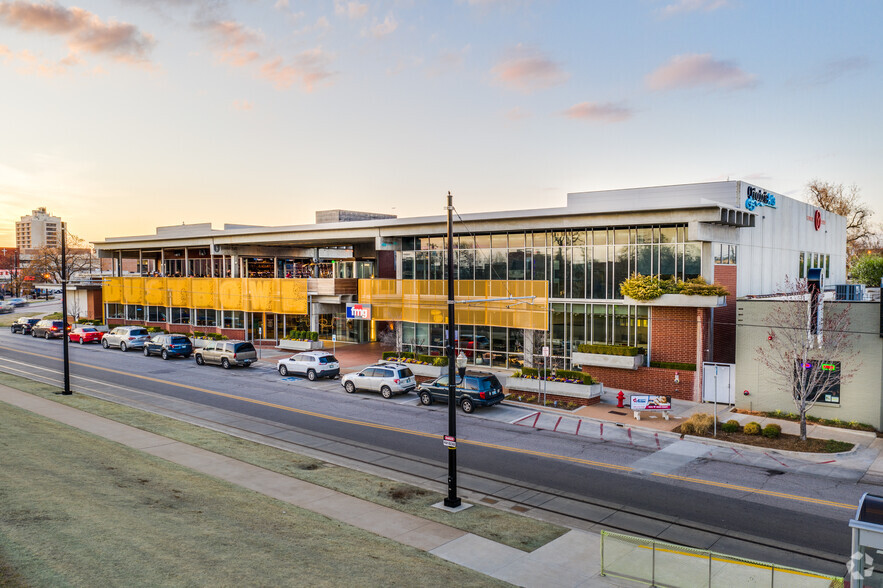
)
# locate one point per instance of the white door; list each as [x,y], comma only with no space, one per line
[719,383]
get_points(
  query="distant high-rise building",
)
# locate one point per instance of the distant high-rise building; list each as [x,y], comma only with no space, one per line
[39,229]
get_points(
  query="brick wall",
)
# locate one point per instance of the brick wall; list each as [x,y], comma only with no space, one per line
[723,348]
[673,334]
[647,380]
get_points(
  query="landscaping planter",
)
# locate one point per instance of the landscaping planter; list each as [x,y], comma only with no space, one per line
[419,369]
[557,388]
[682,300]
[292,345]
[625,362]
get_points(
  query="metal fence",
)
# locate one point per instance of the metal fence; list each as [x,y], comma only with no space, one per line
[657,563]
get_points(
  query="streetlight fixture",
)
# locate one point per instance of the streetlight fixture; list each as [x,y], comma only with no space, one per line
[452,500]
[65,338]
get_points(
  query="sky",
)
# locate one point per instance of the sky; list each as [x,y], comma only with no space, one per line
[123,115]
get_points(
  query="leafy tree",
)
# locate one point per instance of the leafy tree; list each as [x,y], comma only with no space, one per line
[846,202]
[793,345]
[867,270]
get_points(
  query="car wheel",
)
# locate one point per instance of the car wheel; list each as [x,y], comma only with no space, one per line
[311,375]
[225,363]
[123,347]
[146,351]
[104,343]
[46,335]
[82,341]
[425,398]
[164,354]
[467,406]
[349,387]
[386,392]
[33,334]
[199,360]
[283,371]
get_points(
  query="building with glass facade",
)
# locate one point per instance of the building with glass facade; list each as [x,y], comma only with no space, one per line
[552,276]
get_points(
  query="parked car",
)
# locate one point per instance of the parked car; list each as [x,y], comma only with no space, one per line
[18,301]
[6,307]
[168,346]
[128,337]
[83,335]
[227,353]
[48,329]
[388,379]
[470,343]
[478,389]
[312,364]
[23,325]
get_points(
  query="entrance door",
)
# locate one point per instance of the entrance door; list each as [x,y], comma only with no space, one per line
[719,382]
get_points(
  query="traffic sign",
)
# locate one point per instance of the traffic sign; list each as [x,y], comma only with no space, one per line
[545,351]
[450,442]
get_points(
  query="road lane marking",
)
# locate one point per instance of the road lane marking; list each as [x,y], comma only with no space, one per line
[486,445]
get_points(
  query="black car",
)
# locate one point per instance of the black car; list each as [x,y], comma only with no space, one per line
[23,325]
[48,329]
[478,389]
[168,346]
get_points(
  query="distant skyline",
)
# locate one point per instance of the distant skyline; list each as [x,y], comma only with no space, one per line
[125,115]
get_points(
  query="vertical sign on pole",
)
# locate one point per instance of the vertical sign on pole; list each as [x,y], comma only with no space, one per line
[545,371]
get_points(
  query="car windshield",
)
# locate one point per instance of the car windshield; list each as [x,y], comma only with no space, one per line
[136,332]
[242,347]
[32,321]
[327,359]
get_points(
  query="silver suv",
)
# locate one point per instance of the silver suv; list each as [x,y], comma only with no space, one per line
[130,337]
[312,364]
[227,353]
[388,379]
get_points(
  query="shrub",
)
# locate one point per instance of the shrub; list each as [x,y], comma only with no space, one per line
[314,336]
[772,431]
[731,426]
[611,349]
[698,424]
[672,365]
[751,428]
[436,360]
[834,446]
[561,376]
[640,287]
[156,330]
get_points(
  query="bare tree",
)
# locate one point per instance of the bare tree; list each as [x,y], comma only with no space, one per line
[46,261]
[846,202]
[806,346]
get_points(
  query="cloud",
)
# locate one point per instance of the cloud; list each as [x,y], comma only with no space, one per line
[281,4]
[82,30]
[308,69]
[386,27]
[233,41]
[691,70]
[28,63]
[606,113]
[351,10]
[243,105]
[517,113]
[831,71]
[685,6]
[526,70]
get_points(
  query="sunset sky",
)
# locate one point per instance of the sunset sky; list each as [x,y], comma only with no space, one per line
[124,115]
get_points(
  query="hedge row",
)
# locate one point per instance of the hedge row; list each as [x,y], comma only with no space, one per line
[566,374]
[303,335]
[673,365]
[610,349]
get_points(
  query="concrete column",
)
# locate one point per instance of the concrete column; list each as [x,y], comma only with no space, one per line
[162,261]
[528,347]
[186,271]
[234,266]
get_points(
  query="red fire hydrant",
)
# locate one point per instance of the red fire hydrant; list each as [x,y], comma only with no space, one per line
[620,397]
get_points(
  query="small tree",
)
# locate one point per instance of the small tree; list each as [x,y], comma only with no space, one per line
[794,348]
[847,202]
[867,270]
[47,260]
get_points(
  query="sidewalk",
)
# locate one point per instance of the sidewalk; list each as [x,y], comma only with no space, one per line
[574,559]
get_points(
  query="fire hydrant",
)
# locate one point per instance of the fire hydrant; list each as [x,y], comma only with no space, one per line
[620,397]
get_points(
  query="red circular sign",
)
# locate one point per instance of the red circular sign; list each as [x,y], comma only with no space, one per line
[817,220]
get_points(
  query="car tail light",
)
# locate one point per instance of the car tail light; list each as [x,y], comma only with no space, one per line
[481,395]
[54,328]
[234,356]
[396,381]
[131,338]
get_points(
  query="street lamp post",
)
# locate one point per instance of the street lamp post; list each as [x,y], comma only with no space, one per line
[452,500]
[65,338]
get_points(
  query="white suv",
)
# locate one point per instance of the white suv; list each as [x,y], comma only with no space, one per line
[313,364]
[126,338]
[387,378]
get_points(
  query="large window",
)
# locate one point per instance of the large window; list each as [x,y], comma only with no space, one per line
[233,319]
[206,317]
[134,312]
[114,311]
[156,314]
[180,316]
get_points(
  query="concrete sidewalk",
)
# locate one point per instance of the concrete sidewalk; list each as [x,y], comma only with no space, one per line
[573,559]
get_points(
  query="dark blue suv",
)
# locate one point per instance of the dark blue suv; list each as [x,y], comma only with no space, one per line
[478,389]
[167,346]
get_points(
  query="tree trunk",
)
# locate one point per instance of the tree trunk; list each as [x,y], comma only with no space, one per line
[803,426]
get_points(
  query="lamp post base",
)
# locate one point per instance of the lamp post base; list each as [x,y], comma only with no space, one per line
[442,506]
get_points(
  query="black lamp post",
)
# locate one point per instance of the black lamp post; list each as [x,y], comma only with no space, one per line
[65,338]
[452,500]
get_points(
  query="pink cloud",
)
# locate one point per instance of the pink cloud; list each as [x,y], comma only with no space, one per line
[307,69]
[527,70]
[691,70]
[82,30]
[387,26]
[232,41]
[351,10]
[606,113]
[243,105]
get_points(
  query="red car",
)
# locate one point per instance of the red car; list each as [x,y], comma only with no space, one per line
[84,335]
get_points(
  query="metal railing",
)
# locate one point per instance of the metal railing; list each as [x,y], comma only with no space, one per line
[657,563]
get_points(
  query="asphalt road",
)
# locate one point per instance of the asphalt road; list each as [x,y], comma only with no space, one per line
[728,499]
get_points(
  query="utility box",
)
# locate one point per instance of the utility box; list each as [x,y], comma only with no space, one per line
[867,533]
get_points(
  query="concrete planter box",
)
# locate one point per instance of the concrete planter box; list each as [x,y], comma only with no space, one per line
[427,371]
[682,300]
[623,362]
[291,345]
[557,388]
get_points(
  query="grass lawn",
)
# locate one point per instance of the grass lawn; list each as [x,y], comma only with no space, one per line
[79,510]
[511,529]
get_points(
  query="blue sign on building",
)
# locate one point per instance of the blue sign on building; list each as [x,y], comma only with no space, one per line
[758,197]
